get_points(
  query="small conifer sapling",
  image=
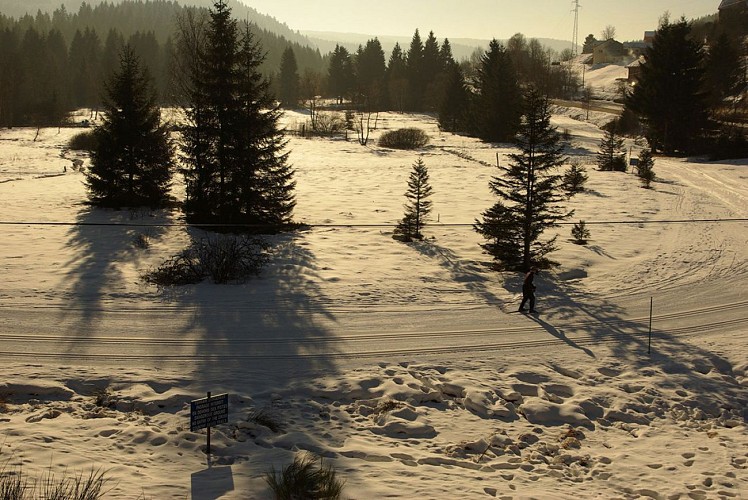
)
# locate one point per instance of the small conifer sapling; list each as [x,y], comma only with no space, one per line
[418,206]
[645,169]
[574,179]
[580,233]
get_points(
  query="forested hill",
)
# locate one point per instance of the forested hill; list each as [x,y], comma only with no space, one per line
[157,17]
[17,9]
[52,62]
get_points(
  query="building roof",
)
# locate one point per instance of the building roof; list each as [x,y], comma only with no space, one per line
[726,4]
[638,62]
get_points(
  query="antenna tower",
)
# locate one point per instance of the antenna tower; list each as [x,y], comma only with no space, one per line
[575,36]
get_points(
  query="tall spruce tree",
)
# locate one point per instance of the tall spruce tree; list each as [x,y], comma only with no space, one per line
[498,102]
[669,97]
[289,80]
[418,206]
[529,192]
[236,170]
[414,73]
[452,112]
[397,81]
[84,60]
[432,72]
[264,186]
[725,74]
[371,73]
[340,76]
[132,162]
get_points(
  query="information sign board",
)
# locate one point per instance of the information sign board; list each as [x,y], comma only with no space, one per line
[209,412]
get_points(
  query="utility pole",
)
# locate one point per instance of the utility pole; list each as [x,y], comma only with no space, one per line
[575,36]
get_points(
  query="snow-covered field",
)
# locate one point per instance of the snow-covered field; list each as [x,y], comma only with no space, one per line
[402,364]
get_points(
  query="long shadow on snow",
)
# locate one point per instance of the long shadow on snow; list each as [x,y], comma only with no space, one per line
[101,244]
[467,273]
[272,323]
[600,320]
[265,342]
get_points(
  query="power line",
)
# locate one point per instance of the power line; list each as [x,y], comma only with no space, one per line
[361,225]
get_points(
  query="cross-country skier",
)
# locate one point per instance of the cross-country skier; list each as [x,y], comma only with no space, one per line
[528,290]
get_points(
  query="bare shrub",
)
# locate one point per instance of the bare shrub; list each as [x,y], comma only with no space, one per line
[223,258]
[404,138]
[387,406]
[105,399]
[142,241]
[329,123]
[84,141]
[305,479]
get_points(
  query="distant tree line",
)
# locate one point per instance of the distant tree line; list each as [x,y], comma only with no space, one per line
[53,63]
[480,96]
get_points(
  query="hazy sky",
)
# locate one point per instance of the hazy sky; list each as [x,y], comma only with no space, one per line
[483,19]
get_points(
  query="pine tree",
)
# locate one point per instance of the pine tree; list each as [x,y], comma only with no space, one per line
[133,159]
[498,103]
[589,44]
[611,156]
[529,192]
[414,74]
[418,206]
[397,81]
[236,170]
[645,168]
[85,63]
[725,75]
[264,187]
[340,76]
[432,74]
[452,112]
[580,233]
[289,80]
[669,97]
[370,74]
[574,179]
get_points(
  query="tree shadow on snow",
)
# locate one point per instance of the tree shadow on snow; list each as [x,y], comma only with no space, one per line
[469,273]
[583,318]
[102,243]
[271,324]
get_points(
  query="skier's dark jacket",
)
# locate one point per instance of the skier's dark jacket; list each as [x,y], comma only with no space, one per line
[528,286]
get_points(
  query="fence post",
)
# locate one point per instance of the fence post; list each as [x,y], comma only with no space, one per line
[649,345]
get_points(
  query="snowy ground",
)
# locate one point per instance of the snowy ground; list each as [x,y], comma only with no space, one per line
[403,365]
